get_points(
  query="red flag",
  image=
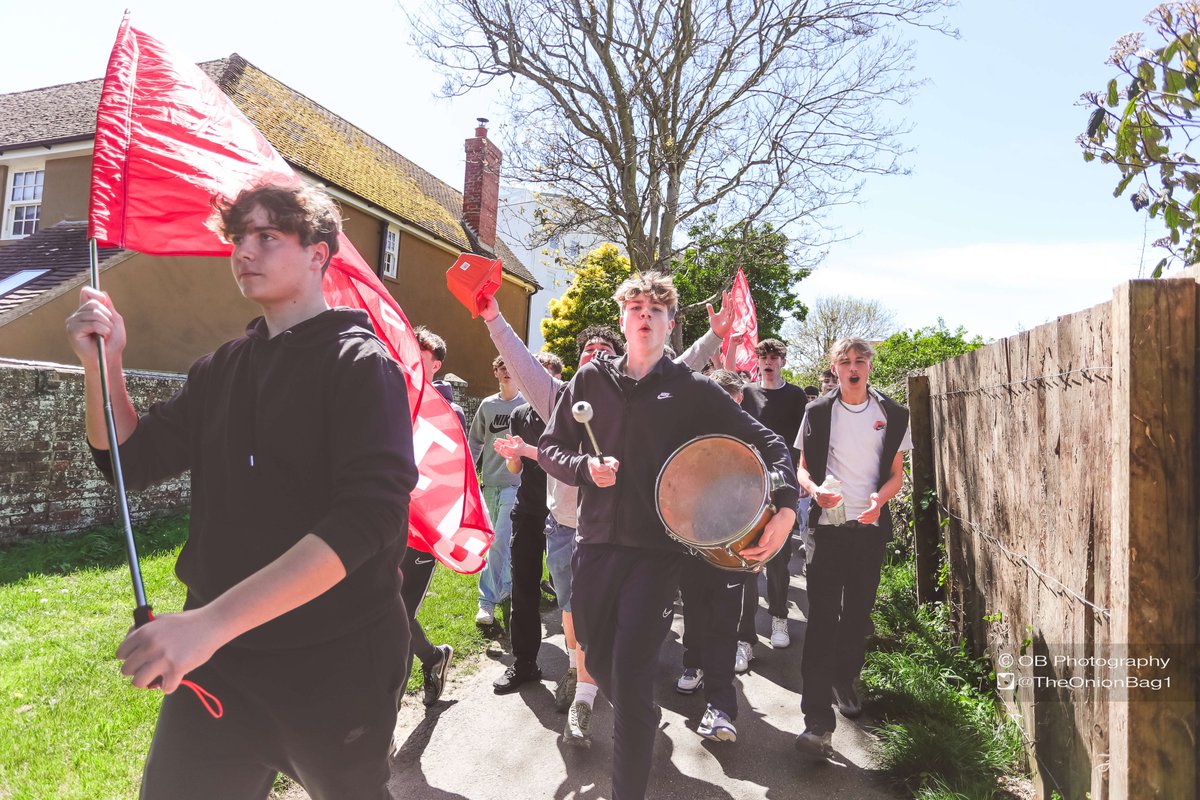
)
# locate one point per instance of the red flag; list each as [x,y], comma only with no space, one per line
[743,335]
[167,141]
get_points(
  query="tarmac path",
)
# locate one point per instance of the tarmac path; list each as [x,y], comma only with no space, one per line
[476,745]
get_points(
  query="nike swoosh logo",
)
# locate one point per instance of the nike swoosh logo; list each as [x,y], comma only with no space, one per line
[494,428]
[667,611]
[664,396]
[732,585]
[426,561]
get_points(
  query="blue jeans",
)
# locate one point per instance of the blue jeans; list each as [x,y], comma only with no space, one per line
[495,581]
[560,546]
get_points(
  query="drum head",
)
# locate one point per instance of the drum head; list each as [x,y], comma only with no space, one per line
[712,490]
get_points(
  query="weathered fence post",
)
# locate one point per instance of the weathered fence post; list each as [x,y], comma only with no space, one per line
[926,531]
[1152,743]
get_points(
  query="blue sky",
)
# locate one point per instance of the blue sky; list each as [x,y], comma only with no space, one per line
[999,226]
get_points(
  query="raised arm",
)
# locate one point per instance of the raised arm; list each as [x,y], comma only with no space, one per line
[708,345]
[536,385]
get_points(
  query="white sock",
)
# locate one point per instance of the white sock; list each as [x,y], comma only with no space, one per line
[585,693]
[573,658]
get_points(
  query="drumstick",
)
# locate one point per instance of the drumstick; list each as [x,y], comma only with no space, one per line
[582,411]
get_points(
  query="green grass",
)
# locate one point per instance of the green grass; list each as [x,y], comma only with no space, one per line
[70,725]
[944,737]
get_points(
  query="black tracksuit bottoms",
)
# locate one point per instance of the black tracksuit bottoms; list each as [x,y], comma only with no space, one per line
[712,602]
[528,548]
[322,714]
[843,578]
[623,600]
[416,573]
[779,580]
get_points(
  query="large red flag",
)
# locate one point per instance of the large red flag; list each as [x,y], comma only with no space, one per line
[168,140]
[743,335]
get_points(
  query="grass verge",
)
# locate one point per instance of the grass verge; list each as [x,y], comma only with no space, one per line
[944,736]
[70,725]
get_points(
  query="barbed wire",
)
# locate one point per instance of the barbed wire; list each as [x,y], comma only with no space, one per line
[1090,373]
[1048,580]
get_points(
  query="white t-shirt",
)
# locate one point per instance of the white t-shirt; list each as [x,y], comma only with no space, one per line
[856,436]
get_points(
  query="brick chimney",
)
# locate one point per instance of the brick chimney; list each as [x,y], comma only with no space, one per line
[481,187]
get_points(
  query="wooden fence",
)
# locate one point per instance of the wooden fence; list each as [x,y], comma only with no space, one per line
[1058,468]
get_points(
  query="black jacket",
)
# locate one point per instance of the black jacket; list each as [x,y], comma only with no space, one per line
[817,424]
[641,423]
[306,432]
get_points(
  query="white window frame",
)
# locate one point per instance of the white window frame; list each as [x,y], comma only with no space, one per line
[14,168]
[391,252]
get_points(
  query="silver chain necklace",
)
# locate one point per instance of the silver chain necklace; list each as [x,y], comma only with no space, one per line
[850,410]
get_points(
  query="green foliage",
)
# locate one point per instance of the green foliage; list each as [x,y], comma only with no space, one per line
[702,270]
[908,352]
[1146,112]
[73,727]
[712,260]
[587,302]
[943,736]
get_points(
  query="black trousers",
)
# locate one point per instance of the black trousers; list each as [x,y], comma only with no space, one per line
[528,548]
[416,573]
[712,602]
[843,579]
[324,715]
[623,599]
[779,580]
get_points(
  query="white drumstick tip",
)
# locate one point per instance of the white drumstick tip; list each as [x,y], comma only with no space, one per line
[582,411]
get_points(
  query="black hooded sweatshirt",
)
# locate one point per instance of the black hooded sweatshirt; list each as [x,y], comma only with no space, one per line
[306,432]
[641,423]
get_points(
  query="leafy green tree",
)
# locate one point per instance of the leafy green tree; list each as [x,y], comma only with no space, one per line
[1146,120]
[709,264]
[587,302]
[908,352]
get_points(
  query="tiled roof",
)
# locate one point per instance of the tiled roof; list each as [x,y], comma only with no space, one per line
[62,249]
[306,134]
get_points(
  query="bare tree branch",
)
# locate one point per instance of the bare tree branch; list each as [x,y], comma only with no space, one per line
[645,116]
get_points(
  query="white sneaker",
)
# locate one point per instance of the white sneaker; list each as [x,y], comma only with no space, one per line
[485,617]
[717,725]
[745,654]
[691,680]
[780,638]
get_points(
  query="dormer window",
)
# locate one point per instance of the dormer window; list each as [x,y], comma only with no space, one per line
[23,199]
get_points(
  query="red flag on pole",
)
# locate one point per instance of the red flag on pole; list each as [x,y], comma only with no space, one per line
[743,335]
[167,141]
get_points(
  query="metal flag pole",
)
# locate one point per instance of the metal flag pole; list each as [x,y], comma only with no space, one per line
[142,613]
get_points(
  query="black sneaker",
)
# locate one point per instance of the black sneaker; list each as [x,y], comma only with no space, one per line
[435,674]
[847,701]
[516,675]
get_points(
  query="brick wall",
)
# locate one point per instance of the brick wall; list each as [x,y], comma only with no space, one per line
[48,482]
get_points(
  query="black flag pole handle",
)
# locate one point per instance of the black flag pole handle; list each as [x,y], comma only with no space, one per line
[142,612]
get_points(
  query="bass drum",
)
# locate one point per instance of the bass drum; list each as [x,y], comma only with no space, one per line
[713,495]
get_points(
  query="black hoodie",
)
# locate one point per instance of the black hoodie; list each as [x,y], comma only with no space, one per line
[306,432]
[641,423]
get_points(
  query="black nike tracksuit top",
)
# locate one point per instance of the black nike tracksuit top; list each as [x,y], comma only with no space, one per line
[641,423]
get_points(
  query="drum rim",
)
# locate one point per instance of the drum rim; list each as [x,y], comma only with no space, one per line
[766,501]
